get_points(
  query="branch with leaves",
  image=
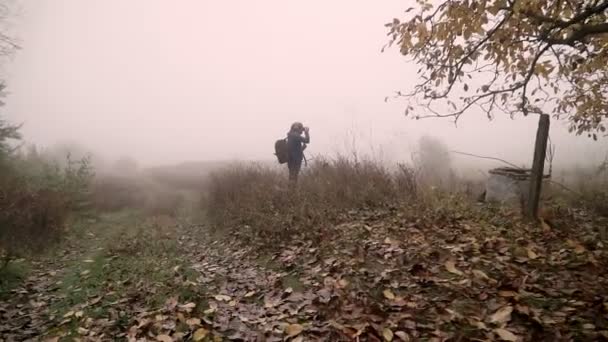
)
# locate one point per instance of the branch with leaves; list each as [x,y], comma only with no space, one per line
[508,56]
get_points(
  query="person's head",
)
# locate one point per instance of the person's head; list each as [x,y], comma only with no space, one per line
[297,127]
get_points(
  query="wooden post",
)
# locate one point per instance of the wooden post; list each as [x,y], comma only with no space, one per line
[538,166]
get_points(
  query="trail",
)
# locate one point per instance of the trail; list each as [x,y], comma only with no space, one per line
[381,275]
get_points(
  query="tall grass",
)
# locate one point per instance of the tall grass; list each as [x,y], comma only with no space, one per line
[257,203]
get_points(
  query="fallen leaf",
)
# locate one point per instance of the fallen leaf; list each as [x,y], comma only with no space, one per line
[403,336]
[578,248]
[389,294]
[507,293]
[506,335]
[193,321]
[531,254]
[171,303]
[451,267]
[222,298]
[249,294]
[200,334]
[181,317]
[298,339]
[503,315]
[546,227]
[95,300]
[188,306]
[164,338]
[387,334]
[294,330]
[79,314]
[88,261]
[68,314]
[342,283]
[481,275]
[85,272]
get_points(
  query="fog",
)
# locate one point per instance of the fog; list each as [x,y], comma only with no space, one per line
[171,81]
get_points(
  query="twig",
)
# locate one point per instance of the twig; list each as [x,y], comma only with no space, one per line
[566,188]
[491,158]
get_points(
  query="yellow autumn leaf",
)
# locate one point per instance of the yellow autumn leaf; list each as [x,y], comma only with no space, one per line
[451,267]
[388,294]
[387,334]
[506,335]
[294,330]
[200,334]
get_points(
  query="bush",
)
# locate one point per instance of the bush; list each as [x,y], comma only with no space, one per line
[254,201]
[37,197]
[31,219]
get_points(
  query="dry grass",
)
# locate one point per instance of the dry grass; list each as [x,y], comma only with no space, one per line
[256,202]
[584,187]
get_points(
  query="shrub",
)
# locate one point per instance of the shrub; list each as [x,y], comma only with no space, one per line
[37,197]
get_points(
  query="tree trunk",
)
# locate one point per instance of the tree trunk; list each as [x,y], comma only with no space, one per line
[538,166]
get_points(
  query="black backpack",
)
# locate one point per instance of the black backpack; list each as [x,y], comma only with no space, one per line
[281,150]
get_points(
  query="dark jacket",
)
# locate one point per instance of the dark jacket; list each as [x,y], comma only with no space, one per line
[296,143]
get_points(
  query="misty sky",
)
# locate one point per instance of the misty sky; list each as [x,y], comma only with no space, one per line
[166,81]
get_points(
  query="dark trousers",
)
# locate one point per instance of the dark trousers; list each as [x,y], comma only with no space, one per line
[294,167]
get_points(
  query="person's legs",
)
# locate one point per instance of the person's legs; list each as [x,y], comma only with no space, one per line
[294,170]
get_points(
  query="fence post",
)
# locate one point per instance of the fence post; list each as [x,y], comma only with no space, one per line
[538,166]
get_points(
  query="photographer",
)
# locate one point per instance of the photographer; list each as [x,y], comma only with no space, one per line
[296,144]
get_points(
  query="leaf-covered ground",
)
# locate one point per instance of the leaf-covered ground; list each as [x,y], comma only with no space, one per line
[381,275]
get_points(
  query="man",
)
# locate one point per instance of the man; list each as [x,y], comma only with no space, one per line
[296,144]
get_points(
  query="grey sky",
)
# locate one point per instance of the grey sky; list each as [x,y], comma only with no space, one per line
[166,81]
